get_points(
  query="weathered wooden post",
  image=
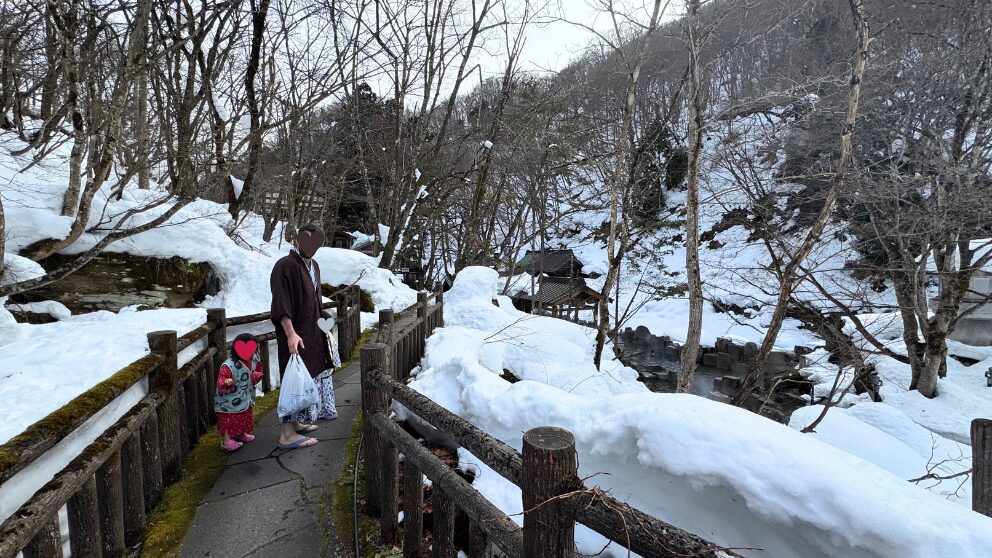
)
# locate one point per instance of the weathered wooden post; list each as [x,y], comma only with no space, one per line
[218,340]
[133,489]
[182,420]
[191,396]
[389,461]
[345,342]
[385,336]
[355,313]
[981,466]
[47,543]
[373,361]
[151,463]
[84,520]
[111,504]
[413,511]
[444,524]
[550,469]
[164,378]
[263,353]
[421,324]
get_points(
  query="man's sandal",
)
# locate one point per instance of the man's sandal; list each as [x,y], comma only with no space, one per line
[301,443]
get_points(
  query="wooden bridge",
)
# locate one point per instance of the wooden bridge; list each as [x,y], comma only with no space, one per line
[119,478]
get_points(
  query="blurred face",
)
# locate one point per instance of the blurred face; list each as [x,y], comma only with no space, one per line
[307,242]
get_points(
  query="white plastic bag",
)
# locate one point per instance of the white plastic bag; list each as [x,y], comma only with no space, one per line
[298,391]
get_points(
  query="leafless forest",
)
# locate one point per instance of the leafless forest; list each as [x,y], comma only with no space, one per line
[355,113]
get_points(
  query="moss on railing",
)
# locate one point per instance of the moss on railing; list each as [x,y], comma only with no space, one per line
[22,449]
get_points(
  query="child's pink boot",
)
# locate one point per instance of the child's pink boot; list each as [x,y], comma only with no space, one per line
[231,445]
[245,438]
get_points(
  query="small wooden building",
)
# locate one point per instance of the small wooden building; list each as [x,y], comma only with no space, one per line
[555,263]
[559,297]
[340,238]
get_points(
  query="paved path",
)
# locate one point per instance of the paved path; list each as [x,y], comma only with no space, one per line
[270,502]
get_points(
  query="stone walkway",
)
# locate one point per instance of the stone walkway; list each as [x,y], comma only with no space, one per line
[270,502]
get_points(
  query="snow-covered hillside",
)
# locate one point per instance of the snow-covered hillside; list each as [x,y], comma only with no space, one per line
[716,470]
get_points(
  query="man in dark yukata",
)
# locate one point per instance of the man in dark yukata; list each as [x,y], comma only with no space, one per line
[296,307]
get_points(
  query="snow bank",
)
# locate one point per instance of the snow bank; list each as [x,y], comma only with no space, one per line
[962,395]
[885,436]
[721,472]
[50,364]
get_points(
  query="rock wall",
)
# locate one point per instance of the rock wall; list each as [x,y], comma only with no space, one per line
[727,355]
[113,281]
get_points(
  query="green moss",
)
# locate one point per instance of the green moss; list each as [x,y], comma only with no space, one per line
[343,503]
[60,423]
[365,338]
[169,522]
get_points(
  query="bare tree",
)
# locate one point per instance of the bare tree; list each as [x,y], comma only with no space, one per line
[790,277]
[618,238]
[690,350]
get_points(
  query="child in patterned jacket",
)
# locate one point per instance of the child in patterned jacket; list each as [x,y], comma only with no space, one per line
[234,400]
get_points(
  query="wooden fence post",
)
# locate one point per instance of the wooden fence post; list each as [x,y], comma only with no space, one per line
[165,376]
[355,313]
[550,469]
[182,414]
[421,331]
[389,465]
[444,524]
[84,519]
[217,340]
[413,511]
[373,361]
[191,396]
[263,353]
[151,463]
[385,336]
[110,497]
[343,323]
[133,490]
[981,461]
[47,543]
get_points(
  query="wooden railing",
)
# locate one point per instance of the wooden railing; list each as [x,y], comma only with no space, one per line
[115,481]
[554,498]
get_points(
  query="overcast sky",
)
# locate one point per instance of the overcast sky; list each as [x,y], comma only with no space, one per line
[551,43]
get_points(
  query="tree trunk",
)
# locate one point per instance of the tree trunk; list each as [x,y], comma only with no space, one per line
[619,181]
[259,13]
[73,70]
[141,95]
[789,274]
[690,351]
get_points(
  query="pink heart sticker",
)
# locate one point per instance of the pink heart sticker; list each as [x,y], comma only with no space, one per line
[245,349]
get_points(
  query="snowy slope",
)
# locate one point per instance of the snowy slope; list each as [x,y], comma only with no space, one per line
[721,472]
